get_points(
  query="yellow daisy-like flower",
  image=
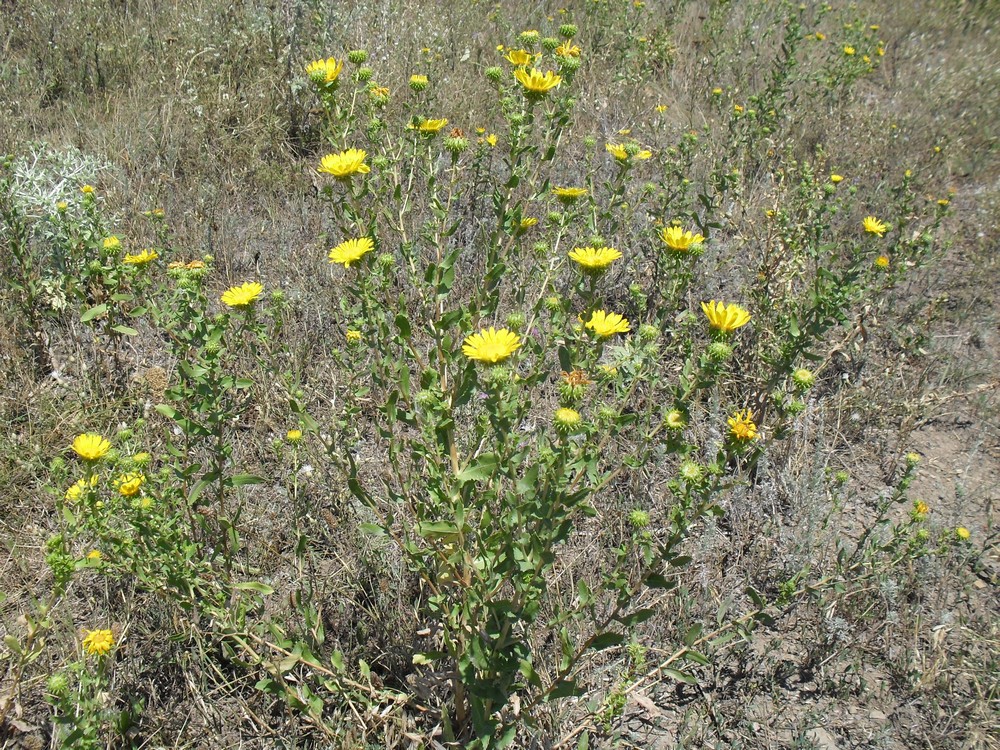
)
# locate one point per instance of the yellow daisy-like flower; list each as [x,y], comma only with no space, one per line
[418,82]
[921,508]
[675,419]
[962,533]
[661,108]
[345,164]
[677,239]
[76,490]
[353,337]
[874,226]
[98,642]
[723,317]
[535,82]
[94,555]
[527,223]
[623,153]
[90,446]
[491,345]
[87,189]
[491,139]
[741,425]
[129,484]
[293,436]
[111,243]
[569,194]
[242,296]
[194,265]
[519,57]
[835,178]
[882,262]
[432,126]
[351,251]
[617,150]
[141,259]
[324,72]
[605,324]
[849,50]
[568,49]
[594,258]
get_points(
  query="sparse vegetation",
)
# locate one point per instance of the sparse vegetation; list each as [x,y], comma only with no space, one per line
[467,375]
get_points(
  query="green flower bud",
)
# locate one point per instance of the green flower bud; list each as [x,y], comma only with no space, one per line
[549,43]
[385,261]
[719,351]
[638,519]
[57,684]
[494,74]
[692,472]
[456,144]
[570,64]
[795,407]
[841,477]
[380,162]
[357,56]
[912,459]
[590,141]
[553,303]
[364,74]
[606,413]
[648,332]
[516,119]
[554,217]
[568,30]
[516,321]
[540,248]
[567,420]
[124,434]
[803,378]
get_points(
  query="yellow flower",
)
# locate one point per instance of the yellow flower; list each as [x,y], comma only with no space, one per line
[536,83]
[820,36]
[661,107]
[594,258]
[492,139]
[738,109]
[622,152]
[943,202]
[568,49]
[835,178]
[62,206]
[717,91]
[569,194]
[345,164]
[675,419]
[519,57]
[567,419]
[606,324]
[141,259]
[111,243]
[527,222]
[723,317]
[677,239]
[98,642]
[418,82]
[90,446]
[491,345]
[848,50]
[95,555]
[882,262]
[293,436]
[874,226]
[76,490]
[351,251]
[324,72]
[242,296]
[962,533]
[129,484]
[353,337]
[194,265]
[432,126]
[921,508]
[87,189]
[741,425]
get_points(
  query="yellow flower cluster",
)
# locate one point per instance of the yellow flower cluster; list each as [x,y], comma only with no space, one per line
[242,296]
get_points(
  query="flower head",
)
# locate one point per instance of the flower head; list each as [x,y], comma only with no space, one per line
[111,243]
[141,259]
[432,126]
[874,226]
[242,296]
[723,317]
[519,57]
[882,262]
[324,72]
[491,345]
[675,419]
[741,425]
[351,251]
[569,194]
[535,82]
[90,446]
[98,642]
[962,533]
[293,436]
[677,239]
[594,259]
[605,324]
[94,555]
[345,164]
[567,420]
[849,50]
[87,189]
[835,178]
[129,484]
[418,82]
[623,152]
[76,490]
[353,336]
[567,49]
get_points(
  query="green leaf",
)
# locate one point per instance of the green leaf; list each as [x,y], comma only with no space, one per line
[403,324]
[564,689]
[372,529]
[606,640]
[640,615]
[166,410]
[125,330]
[257,586]
[239,480]
[437,528]
[482,469]
[680,676]
[93,313]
